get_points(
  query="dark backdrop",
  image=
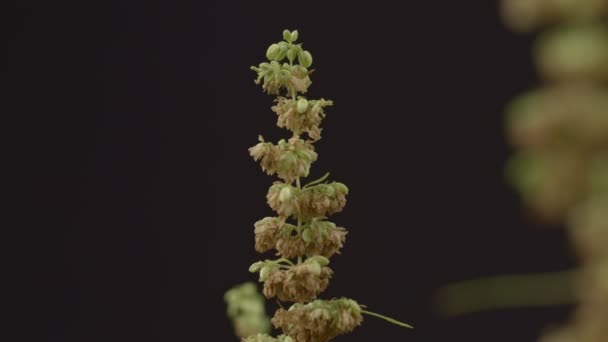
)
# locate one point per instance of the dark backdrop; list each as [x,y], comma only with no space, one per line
[135,197]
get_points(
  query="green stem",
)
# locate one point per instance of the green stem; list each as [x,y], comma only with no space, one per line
[285,260]
[299,219]
[388,319]
[317,181]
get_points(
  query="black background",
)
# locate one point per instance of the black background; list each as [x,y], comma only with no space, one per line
[135,197]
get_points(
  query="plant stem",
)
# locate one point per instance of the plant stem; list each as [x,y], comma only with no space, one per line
[388,319]
[299,228]
[285,260]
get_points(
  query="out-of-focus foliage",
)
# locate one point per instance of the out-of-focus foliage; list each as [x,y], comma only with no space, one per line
[246,309]
[560,164]
[574,52]
[560,131]
[527,15]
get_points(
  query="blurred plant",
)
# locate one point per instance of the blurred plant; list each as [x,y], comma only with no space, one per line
[247,310]
[561,164]
[301,234]
[561,132]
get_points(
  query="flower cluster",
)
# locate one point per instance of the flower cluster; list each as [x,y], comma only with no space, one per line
[319,321]
[300,283]
[318,237]
[288,159]
[275,75]
[301,115]
[319,200]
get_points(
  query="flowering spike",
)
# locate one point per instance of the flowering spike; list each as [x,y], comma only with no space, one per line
[300,230]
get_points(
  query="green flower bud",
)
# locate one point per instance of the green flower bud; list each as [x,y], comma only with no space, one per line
[305,59]
[285,194]
[287,35]
[354,306]
[306,236]
[340,187]
[283,53]
[315,267]
[321,260]
[273,52]
[256,266]
[328,190]
[294,36]
[302,106]
[292,53]
[264,273]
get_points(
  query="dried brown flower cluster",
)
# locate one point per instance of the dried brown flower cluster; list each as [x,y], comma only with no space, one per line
[561,131]
[319,321]
[318,237]
[290,160]
[301,116]
[300,283]
[307,203]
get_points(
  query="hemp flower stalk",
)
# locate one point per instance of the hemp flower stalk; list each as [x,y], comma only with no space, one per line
[300,233]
